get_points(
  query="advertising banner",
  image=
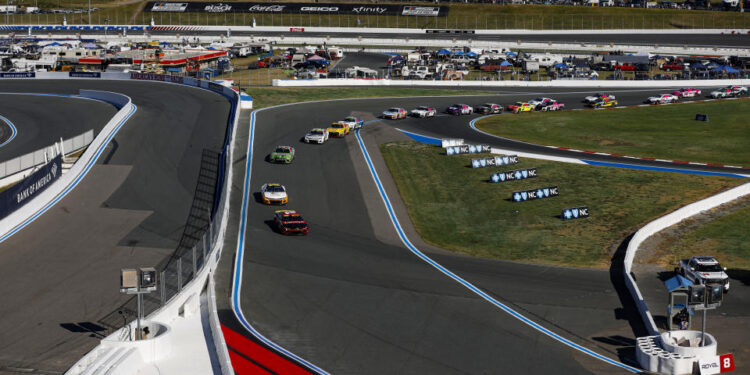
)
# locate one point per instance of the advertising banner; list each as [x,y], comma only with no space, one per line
[18,75]
[17,195]
[298,8]
[575,213]
[494,161]
[85,74]
[156,77]
[518,174]
[530,195]
[468,149]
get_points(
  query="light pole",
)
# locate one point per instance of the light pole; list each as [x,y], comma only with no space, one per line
[89,12]
[138,282]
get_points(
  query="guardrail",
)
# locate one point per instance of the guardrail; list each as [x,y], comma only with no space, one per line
[662,223]
[351,82]
[39,157]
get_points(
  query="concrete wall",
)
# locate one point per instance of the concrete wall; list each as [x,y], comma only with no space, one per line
[346,82]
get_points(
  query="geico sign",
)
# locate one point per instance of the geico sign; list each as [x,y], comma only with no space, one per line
[319,9]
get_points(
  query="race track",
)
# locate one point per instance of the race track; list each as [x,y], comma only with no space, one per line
[61,273]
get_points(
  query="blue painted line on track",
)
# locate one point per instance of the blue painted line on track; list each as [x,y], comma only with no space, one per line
[423,138]
[662,169]
[468,285]
[624,165]
[75,182]
[238,262]
[13,130]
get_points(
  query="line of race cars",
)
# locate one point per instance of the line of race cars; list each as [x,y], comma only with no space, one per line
[290,221]
[726,92]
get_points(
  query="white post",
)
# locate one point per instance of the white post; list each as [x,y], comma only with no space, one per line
[62,147]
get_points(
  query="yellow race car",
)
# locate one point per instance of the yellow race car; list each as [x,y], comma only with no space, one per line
[525,107]
[338,129]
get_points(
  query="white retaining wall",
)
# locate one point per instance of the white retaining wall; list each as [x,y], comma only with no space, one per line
[508,83]
[660,224]
[24,162]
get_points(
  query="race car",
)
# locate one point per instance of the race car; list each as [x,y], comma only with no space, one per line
[738,90]
[722,93]
[704,270]
[489,108]
[686,93]
[554,106]
[282,154]
[597,97]
[662,99]
[338,129]
[394,113]
[423,111]
[353,122]
[459,109]
[540,103]
[524,107]
[603,103]
[290,222]
[274,194]
[316,135]
[514,106]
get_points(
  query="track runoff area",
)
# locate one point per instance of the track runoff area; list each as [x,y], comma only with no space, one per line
[259,169]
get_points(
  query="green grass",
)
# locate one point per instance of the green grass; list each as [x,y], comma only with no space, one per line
[270,96]
[461,16]
[454,207]
[726,238]
[663,132]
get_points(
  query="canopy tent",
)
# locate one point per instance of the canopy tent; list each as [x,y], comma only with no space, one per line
[725,68]
[698,66]
[471,53]
[505,63]
[315,58]
[559,65]
[459,53]
[444,52]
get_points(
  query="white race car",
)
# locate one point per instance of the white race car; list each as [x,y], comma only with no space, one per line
[596,97]
[662,99]
[541,102]
[353,122]
[316,135]
[274,194]
[423,111]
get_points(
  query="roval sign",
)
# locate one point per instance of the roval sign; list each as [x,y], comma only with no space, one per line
[298,8]
[717,364]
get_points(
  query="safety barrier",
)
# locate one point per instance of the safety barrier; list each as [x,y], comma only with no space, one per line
[350,82]
[660,224]
[24,162]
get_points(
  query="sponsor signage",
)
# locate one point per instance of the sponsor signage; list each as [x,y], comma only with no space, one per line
[297,8]
[716,364]
[494,161]
[169,7]
[215,87]
[518,174]
[85,74]
[21,193]
[18,75]
[449,142]
[297,29]
[538,193]
[467,149]
[575,213]
[449,31]
[156,77]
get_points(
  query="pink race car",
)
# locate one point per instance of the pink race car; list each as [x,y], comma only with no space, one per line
[554,106]
[686,93]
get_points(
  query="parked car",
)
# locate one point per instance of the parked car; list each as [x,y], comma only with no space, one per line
[704,270]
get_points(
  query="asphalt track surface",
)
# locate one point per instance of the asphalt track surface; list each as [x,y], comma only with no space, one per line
[61,273]
[63,117]
[350,298]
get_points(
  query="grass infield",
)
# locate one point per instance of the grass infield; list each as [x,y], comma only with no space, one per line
[455,208]
[662,132]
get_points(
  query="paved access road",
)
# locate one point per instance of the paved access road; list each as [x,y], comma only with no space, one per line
[61,273]
[41,121]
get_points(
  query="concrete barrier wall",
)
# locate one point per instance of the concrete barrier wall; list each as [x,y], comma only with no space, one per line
[660,224]
[22,217]
[346,82]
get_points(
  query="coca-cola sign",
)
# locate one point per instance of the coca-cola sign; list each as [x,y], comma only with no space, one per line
[297,8]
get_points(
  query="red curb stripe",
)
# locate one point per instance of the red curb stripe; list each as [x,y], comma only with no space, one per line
[589,152]
[265,357]
[745,167]
[715,165]
[563,148]
[242,366]
[652,159]
[680,162]
[618,155]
